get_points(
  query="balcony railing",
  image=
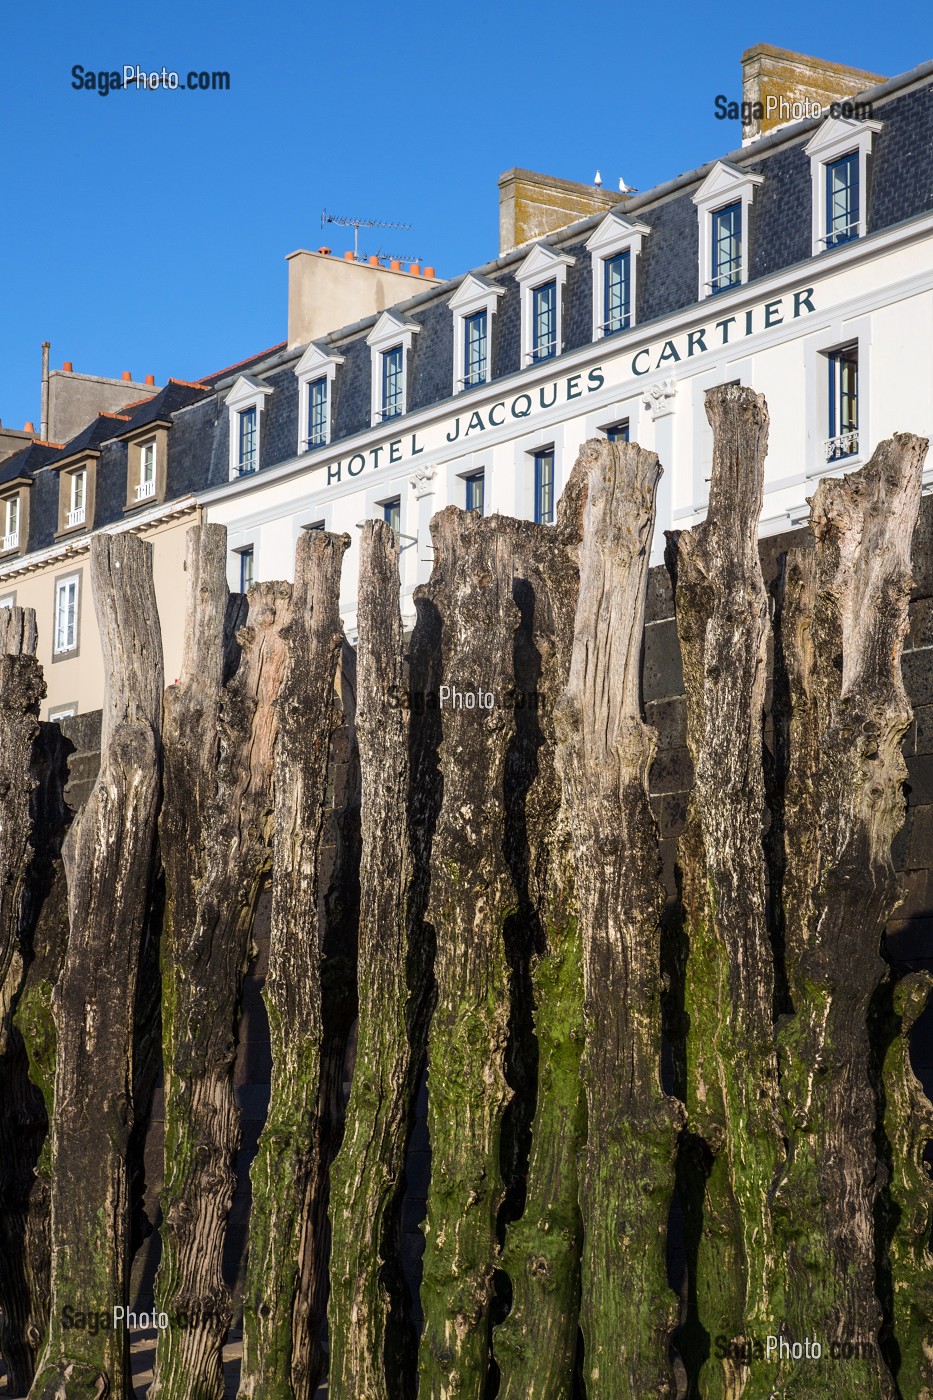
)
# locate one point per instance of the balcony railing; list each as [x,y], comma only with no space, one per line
[843,445]
[11,541]
[247,466]
[75,517]
[145,490]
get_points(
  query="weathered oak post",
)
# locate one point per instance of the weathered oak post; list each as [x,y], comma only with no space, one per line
[281,1350]
[216,831]
[470,899]
[22,686]
[628,1311]
[843,623]
[535,1346]
[108,856]
[394,997]
[734,1143]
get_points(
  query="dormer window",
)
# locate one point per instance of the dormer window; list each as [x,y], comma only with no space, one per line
[77,485]
[474,306]
[76,492]
[840,154]
[542,277]
[315,372]
[614,249]
[146,462]
[724,207]
[245,403]
[9,519]
[390,342]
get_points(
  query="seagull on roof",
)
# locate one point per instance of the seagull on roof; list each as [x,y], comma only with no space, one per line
[598,179]
[626,189]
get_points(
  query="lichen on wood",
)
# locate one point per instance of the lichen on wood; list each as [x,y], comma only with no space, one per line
[628,1311]
[844,618]
[733,1148]
[281,1351]
[108,857]
[215,831]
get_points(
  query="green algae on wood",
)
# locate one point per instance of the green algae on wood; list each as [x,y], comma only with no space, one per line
[535,1345]
[215,833]
[108,858]
[281,1360]
[22,686]
[843,621]
[366,1362]
[628,1311]
[471,898]
[734,1141]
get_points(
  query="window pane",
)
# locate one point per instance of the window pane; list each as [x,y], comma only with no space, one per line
[77,491]
[727,247]
[475,352]
[544,321]
[392,513]
[317,412]
[12,515]
[392,382]
[148,463]
[544,487]
[247,457]
[618,432]
[66,614]
[475,492]
[842,200]
[246,569]
[843,403]
[616,293]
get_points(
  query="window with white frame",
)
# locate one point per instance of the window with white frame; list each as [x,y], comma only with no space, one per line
[390,343]
[63,712]
[544,486]
[392,392]
[392,512]
[842,403]
[474,306]
[614,250]
[617,432]
[66,615]
[840,153]
[724,207]
[315,371]
[475,492]
[245,403]
[247,560]
[77,498]
[8,600]
[146,486]
[542,277]
[9,522]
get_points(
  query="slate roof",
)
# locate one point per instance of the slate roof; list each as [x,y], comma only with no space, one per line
[242,366]
[101,429]
[27,461]
[159,409]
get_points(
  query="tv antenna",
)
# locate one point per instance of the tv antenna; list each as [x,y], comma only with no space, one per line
[356,225]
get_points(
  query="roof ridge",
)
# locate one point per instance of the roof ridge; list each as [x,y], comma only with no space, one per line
[245,361]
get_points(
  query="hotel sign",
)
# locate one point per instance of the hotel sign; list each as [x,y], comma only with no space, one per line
[659,356]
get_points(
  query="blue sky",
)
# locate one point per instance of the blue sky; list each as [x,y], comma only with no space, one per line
[147,230]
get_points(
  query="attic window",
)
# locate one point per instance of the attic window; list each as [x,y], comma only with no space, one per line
[245,404]
[724,204]
[542,277]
